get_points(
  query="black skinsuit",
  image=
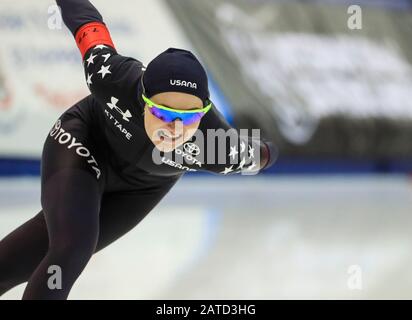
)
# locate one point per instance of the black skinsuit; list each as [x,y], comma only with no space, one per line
[98,177]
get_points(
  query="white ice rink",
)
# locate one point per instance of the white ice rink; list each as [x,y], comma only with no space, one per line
[266,237]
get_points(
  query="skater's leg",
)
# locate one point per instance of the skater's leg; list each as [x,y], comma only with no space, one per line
[72,184]
[71,203]
[21,252]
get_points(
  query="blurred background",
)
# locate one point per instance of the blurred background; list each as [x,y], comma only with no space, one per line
[329,82]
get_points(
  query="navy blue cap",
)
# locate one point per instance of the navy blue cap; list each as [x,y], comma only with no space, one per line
[176,70]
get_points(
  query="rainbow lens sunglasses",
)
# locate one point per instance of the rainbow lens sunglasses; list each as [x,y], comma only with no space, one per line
[167,114]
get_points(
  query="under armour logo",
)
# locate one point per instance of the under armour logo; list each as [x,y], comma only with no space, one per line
[112,105]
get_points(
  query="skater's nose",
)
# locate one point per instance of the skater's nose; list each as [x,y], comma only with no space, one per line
[175,124]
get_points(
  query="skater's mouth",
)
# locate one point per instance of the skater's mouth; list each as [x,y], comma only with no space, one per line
[166,135]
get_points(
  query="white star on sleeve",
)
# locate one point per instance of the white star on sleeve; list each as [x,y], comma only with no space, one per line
[233,152]
[106,56]
[89,79]
[251,152]
[91,59]
[251,166]
[104,70]
[242,147]
[241,164]
[227,170]
[100,46]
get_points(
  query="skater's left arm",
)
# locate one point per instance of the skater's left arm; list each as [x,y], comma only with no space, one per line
[231,150]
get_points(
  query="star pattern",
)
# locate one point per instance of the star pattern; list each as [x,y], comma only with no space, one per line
[242,147]
[106,56]
[89,79]
[251,152]
[233,152]
[248,154]
[227,170]
[91,59]
[253,165]
[104,70]
[241,164]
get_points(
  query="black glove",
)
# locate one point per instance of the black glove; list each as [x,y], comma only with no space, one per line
[269,152]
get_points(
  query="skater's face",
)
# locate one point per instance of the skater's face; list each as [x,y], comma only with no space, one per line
[168,136]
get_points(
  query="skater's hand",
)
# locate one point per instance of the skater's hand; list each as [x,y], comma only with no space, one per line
[268,154]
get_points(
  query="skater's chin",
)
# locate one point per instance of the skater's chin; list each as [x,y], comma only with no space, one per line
[165,146]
